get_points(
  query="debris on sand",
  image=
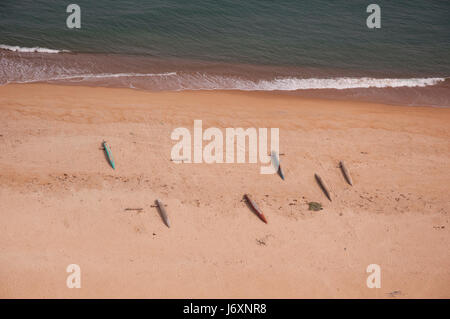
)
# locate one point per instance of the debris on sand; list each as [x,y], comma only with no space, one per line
[394,293]
[315,206]
[261,242]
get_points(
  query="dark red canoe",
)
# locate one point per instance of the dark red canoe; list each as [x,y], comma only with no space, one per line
[255,207]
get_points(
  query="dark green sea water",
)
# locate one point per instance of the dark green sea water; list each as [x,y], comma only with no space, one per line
[230,44]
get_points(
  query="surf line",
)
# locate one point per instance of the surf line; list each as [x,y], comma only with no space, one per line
[213,152]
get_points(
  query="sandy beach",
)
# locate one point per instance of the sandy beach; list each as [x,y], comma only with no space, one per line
[61,203]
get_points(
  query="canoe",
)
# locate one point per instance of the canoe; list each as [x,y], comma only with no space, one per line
[276,163]
[255,207]
[280,172]
[346,173]
[162,212]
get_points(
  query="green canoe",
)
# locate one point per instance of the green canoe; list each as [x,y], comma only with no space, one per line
[109,154]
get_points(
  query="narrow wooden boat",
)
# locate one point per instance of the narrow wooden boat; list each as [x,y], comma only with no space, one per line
[255,208]
[109,154]
[323,186]
[162,212]
[346,173]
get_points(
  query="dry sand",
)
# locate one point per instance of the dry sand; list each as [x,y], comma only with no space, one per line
[61,203]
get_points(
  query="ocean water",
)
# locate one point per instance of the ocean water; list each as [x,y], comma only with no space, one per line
[312,48]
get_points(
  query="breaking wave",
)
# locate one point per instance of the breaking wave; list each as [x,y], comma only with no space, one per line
[293,83]
[86,77]
[124,72]
[29,50]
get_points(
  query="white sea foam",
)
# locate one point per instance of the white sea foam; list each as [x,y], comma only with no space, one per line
[29,50]
[29,70]
[108,75]
[293,84]
[86,77]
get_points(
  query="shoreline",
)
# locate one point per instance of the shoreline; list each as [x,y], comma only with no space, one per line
[306,95]
[176,74]
[60,202]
